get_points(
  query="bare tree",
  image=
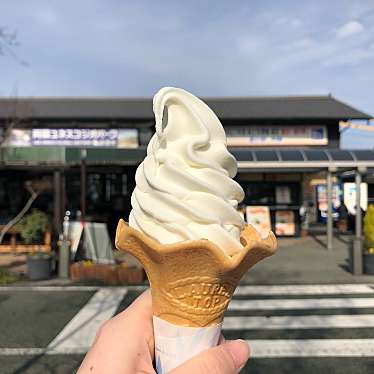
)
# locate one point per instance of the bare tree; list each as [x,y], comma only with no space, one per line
[19,114]
[9,41]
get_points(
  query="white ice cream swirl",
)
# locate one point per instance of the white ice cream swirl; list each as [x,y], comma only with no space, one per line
[184,187]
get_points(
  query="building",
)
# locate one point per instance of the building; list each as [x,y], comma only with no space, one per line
[82,154]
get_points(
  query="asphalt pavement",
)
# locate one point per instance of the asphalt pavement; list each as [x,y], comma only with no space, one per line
[295,328]
[301,310]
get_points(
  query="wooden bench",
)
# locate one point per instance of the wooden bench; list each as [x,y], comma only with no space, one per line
[15,247]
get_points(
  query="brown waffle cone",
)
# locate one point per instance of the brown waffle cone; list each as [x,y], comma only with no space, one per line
[192,282]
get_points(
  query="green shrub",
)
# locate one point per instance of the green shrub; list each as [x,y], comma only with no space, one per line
[33,226]
[6,277]
[369,227]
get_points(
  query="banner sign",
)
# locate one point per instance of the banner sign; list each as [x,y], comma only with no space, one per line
[112,138]
[242,136]
[350,196]
[283,195]
[259,218]
[322,200]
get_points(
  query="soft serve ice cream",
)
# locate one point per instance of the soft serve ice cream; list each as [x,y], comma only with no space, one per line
[184,193]
[184,187]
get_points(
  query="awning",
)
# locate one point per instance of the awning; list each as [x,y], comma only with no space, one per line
[62,156]
[303,159]
[248,159]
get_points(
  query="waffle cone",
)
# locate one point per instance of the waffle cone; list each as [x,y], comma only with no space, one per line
[192,282]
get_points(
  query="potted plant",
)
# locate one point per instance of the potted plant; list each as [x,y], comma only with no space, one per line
[369,240]
[32,228]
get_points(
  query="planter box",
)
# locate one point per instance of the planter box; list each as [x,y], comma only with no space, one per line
[89,272]
[108,274]
[39,268]
[369,264]
[76,271]
[136,275]
[123,275]
[130,275]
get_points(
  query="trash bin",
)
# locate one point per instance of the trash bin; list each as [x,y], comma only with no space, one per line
[39,266]
[369,263]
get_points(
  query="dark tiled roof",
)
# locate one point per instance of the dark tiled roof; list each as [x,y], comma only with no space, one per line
[287,107]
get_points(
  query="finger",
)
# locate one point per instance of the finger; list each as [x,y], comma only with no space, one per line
[138,317]
[140,308]
[227,358]
[114,352]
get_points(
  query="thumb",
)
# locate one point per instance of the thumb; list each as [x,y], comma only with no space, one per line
[227,358]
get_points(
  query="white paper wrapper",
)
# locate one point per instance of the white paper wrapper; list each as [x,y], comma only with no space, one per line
[177,344]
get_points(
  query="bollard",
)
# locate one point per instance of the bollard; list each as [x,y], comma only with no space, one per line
[64,252]
[356,256]
[64,259]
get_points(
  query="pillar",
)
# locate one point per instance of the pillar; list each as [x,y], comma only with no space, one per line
[358,179]
[329,211]
[57,190]
[357,267]
[83,183]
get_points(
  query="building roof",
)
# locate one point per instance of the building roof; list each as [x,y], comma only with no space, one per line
[235,108]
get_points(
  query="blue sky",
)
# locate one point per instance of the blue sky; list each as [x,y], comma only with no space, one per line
[212,48]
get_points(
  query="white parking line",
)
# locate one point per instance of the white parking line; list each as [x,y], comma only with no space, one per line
[49,288]
[282,304]
[242,290]
[68,288]
[328,289]
[21,351]
[80,332]
[299,322]
[275,348]
[312,348]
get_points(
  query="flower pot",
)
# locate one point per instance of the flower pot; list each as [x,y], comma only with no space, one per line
[39,267]
[369,264]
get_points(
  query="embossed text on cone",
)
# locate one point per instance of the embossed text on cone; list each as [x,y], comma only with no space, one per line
[192,282]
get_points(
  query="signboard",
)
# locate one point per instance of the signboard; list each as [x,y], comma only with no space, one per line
[78,137]
[74,236]
[242,136]
[350,196]
[285,222]
[259,218]
[97,242]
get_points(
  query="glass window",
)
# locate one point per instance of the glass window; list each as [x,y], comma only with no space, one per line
[288,155]
[266,156]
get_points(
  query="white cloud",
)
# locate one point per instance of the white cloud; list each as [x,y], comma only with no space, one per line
[136,47]
[288,21]
[349,28]
[46,16]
